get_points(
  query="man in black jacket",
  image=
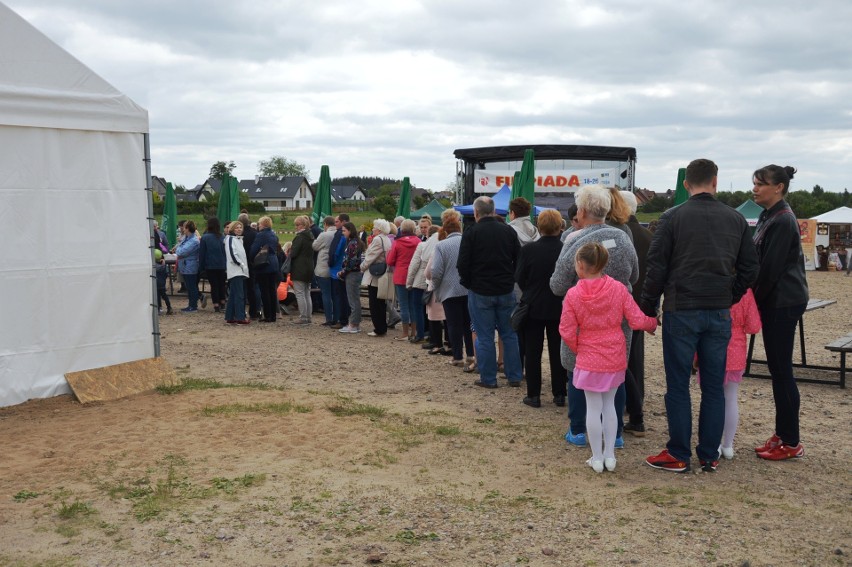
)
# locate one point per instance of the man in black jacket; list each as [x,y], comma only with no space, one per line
[487,256]
[702,260]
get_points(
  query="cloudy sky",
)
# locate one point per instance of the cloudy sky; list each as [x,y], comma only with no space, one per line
[392,87]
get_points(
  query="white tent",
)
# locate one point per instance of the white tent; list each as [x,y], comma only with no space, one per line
[75,279]
[840,215]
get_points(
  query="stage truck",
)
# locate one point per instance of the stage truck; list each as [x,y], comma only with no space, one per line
[559,170]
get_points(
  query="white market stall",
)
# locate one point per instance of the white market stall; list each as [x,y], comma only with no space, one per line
[834,230]
[75,280]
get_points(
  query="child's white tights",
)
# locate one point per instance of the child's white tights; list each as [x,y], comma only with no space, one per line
[600,433]
[732,414]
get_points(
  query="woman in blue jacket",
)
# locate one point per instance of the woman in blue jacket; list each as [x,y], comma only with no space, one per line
[267,274]
[211,259]
[187,253]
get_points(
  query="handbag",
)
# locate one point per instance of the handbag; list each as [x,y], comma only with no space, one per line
[262,257]
[519,316]
[378,268]
[427,296]
[385,288]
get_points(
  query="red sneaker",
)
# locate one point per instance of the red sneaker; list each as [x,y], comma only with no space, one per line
[667,462]
[771,443]
[783,452]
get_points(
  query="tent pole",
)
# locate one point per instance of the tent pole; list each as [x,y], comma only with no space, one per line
[149,189]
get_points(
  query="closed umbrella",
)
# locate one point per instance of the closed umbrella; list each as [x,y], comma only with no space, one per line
[404,208]
[681,195]
[169,220]
[322,200]
[223,211]
[524,184]
[234,189]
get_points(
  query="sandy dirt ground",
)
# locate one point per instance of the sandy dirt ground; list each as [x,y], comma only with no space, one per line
[349,450]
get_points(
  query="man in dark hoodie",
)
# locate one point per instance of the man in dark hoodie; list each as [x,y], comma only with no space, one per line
[249,235]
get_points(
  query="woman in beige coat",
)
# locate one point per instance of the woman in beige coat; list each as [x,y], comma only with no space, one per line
[377,252]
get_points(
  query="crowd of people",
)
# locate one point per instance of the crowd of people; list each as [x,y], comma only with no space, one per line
[590,284]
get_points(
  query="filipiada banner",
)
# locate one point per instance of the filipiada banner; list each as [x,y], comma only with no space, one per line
[549,181]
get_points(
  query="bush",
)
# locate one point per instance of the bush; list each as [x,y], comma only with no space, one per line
[207,208]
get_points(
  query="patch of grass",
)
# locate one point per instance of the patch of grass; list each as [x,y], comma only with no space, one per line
[75,509]
[229,486]
[408,537]
[189,384]
[346,407]
[24,495]
[447,430]
[486,420]
[664,497]
[379,459]
[280,408]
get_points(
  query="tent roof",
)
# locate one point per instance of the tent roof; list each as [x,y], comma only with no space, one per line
[433,208]
[501,203]
[546,151]
[840,215]
[750,209]
[42,85]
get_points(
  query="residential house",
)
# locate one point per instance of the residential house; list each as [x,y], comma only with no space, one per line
[445,195]
[279,193]
[347,193]
[644,196]
[158,186]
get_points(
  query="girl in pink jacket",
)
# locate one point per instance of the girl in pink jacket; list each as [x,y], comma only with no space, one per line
[591,327]
[745,320]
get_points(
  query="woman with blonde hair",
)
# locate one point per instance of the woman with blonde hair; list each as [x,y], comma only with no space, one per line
[451,293]
[237,271]
[377,253]
[302,268]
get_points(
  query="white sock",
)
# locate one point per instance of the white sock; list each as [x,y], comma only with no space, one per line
[594,429]
[610,423]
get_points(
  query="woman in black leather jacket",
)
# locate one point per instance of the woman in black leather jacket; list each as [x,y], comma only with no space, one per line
[781,292]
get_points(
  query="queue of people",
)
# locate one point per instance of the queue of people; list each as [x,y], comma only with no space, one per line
[490,298]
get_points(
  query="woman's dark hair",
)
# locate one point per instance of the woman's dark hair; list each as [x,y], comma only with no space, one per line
[189,225]
[775,174]
[213,226]
[353,234]
[572,212]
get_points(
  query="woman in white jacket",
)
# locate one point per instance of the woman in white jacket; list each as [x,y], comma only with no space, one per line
[236,267]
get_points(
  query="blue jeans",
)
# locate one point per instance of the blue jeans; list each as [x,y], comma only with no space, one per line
[489,312]
[577,407]
[341,303]
[327,299]
[402,296]
[686,333]
[235,310]
[191,282]
[779,331]
[415,309]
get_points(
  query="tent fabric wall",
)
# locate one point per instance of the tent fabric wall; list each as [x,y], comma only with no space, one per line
[75,281]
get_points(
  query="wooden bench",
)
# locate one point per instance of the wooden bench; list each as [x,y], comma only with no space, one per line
[842,345]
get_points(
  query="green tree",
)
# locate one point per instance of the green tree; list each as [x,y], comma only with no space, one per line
[220,168]
[280,166]
[419,201]
[386,205]
[179,189]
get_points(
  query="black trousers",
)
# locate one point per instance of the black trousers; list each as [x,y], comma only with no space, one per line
[254,308]
[634,378]
[269,295]
[458,326]
[779,331]
[217,279]
[534,332]
[378,309]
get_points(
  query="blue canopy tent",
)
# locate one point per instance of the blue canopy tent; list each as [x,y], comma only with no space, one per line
[501,203]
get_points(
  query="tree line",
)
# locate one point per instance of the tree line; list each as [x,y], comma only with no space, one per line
[805,204]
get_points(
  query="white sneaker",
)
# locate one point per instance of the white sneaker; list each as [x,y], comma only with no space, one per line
[346,329]
[727,452]
[597,466]
[609,463]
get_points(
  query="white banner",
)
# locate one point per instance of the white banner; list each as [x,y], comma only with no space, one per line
[547,181]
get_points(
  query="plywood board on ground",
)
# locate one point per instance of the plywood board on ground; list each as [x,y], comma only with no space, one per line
[121,380]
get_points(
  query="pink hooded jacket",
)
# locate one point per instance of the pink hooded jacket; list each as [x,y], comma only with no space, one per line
[745,319]
[591,323]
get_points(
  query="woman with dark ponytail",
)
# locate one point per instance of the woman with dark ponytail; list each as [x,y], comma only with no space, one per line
[781,293]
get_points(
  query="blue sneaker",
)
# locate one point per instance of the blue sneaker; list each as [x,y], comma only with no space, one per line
[619,442]
[189,310]
[578,440]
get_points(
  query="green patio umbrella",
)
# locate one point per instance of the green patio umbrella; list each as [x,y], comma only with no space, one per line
[169,221]
[229,200]
[404,208]
[681,195]
[322,200]
[524,183]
